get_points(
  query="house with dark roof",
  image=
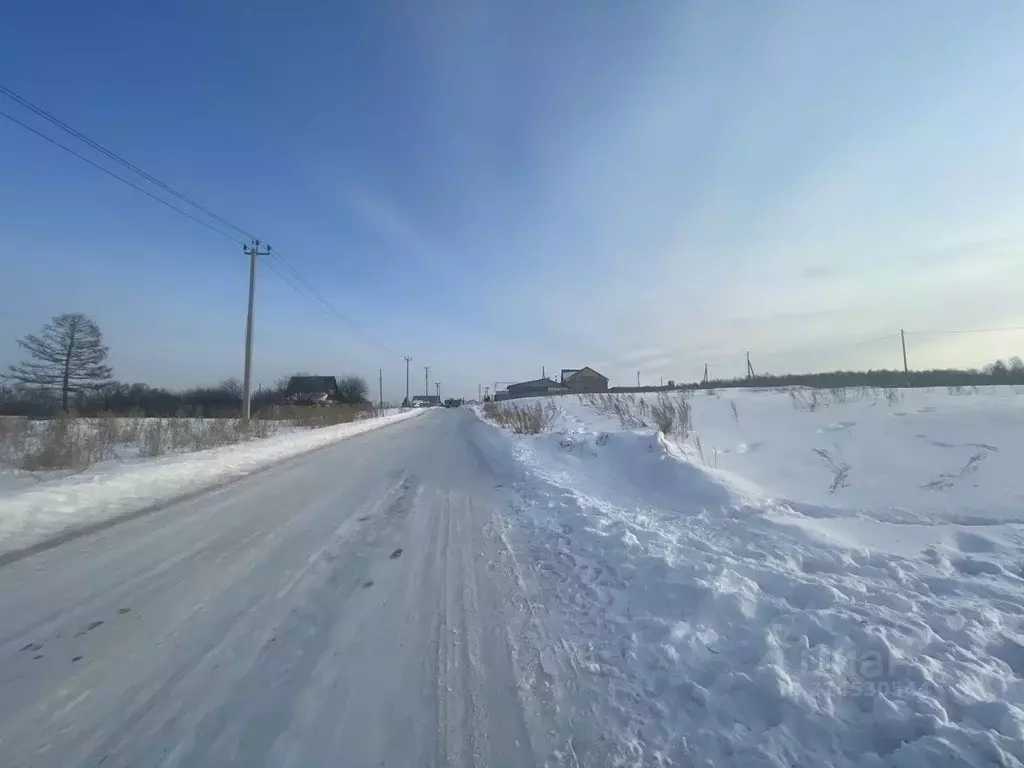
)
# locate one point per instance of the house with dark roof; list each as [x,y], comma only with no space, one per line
[584,379]
[536,388]
[425,401]
[311,390]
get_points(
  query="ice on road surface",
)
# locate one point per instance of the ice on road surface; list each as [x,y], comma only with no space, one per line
[29,515]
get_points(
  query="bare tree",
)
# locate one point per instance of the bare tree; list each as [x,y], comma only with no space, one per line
[352,389]
[997,370]
[67,356]
[232,387]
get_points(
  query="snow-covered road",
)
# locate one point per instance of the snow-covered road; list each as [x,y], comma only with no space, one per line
[356,606]
[837,585]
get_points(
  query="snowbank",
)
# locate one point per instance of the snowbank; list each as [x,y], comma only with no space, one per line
[28,516]
[747,609]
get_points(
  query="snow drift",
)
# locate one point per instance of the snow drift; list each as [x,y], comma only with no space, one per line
[737,604]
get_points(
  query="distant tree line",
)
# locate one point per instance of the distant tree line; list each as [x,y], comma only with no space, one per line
[999,372]
[66,371]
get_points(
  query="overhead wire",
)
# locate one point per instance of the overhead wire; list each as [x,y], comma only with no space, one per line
[35,108]
[966,330]
[309,288]
[327,304]
[122,179]
[829,348]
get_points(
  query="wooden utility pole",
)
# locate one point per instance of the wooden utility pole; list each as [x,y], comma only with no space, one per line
[704,383]
[407,361]
[380,381]
[750,368]
[254,252]
[906,369]
[438,385]
[426,380]
[638,377]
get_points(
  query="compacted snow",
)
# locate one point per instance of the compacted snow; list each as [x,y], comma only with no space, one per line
[807,578]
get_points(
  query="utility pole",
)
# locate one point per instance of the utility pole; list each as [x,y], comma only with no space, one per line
[426,380]
[543,372]
[253,251]
[638,377]
[380,379]
[438,385]
[705,382]
[750,368]
[906,370]
[407,361]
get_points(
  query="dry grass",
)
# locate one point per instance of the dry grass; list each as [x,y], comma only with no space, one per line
[315,417]
[708,460]
[839,467]
[63,443]
[76,443]
[892,395]
[632,412]
[526,419]
[670,413]
[810,399]
[14,436]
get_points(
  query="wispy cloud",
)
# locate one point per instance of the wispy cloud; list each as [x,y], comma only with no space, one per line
[402,239]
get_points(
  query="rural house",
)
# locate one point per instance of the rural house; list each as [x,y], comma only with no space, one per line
[536,388]
[311,390]
[584,379]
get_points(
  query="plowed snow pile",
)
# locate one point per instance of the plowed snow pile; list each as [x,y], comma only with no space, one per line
[805,579]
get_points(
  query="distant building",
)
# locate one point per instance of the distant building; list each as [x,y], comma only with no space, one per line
[425,401]
[311,390]
[536,388]
[584,379]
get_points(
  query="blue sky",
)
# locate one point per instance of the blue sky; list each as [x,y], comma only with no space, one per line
[496,187]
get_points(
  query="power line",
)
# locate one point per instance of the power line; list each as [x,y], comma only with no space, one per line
[53,119]
[117,158]
[967,330]
[333,310]
[805,350]
[327,304]
[110,173]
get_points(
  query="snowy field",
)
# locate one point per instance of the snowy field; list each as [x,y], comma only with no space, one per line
[804,579]
[35,506]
